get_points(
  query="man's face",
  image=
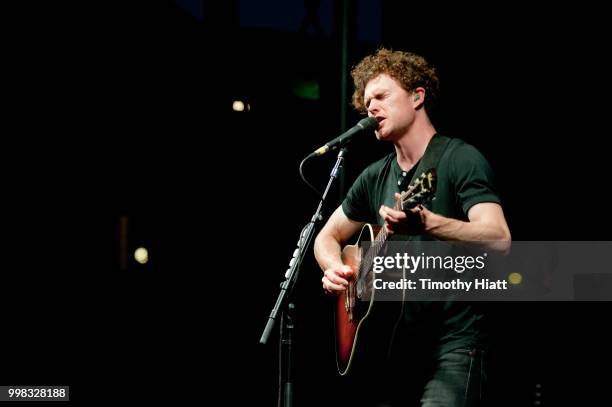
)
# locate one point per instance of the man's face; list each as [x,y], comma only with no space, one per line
[391,105]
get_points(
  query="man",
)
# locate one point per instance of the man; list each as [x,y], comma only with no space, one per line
[398,89]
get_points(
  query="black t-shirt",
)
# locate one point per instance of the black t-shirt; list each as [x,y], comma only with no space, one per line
[465,179]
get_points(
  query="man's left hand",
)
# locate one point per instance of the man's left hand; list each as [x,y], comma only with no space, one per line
[408,222]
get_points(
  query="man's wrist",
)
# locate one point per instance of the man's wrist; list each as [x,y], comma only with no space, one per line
[432,221]
[333,264]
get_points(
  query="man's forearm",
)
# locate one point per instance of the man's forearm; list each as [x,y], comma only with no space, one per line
[327,252]
[443,228]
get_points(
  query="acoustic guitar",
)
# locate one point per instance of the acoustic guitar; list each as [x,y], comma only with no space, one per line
[354,305]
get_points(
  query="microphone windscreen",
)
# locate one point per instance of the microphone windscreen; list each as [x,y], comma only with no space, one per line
[369,123]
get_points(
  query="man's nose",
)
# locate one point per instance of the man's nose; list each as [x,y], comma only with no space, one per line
[372,108]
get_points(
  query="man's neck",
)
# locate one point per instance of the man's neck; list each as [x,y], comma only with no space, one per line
[411,147]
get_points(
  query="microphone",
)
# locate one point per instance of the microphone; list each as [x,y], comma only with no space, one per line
[365,125]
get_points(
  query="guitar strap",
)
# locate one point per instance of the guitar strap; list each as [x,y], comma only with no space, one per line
[436,147]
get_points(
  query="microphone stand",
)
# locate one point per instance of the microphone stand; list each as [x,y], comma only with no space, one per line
[285,306]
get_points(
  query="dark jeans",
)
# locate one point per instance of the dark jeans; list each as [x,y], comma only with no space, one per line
[455,379]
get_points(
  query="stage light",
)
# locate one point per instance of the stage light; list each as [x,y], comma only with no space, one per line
[141,255]
[240,106]
[515,278]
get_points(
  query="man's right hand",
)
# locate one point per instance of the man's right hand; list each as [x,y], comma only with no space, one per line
[336,279]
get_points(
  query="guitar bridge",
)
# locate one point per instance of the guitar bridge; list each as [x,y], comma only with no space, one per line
[349,300]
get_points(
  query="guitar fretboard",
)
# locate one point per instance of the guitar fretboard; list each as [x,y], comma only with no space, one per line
[420,190]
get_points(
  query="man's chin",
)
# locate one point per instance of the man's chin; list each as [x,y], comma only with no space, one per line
[381,136]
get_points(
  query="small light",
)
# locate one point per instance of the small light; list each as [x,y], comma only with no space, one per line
[238,106]
[141,255]
[515,278]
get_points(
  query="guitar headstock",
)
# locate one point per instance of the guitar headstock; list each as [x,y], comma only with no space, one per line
[422,189]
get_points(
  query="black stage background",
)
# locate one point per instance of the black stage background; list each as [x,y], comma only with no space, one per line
[124,111]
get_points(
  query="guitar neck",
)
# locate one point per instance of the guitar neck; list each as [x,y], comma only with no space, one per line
[419,190]
[377,244]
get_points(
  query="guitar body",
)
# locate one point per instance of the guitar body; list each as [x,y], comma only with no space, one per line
[355,305]
[351,311]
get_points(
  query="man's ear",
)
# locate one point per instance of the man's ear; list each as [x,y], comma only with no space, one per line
[418,97]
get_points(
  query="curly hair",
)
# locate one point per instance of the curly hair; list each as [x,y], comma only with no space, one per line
[409,70]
